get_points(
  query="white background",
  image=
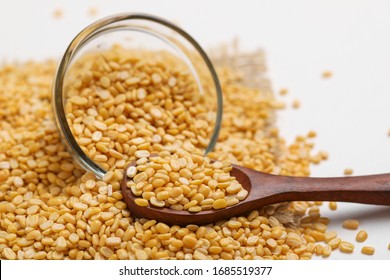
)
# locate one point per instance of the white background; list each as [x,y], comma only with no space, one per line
[349,111]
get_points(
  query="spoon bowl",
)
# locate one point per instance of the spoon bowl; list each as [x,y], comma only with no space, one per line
[264,189]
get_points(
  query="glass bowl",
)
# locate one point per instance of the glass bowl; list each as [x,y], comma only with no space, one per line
[134,31]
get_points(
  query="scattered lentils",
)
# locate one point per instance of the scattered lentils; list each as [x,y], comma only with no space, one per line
[57,211]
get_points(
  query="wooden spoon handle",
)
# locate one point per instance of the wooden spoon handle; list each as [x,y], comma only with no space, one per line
[370,189]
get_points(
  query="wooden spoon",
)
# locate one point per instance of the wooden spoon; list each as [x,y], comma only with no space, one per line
[265,189]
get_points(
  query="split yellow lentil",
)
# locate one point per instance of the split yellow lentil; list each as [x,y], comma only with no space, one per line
[296,104]
[361,236]
[330,235]
[367,250]
[326,251]
[348,171]
[283,91]
[93,11]
[58,13]
[346,247]
[327,74]
[351,224]
[52,209]
[333,205]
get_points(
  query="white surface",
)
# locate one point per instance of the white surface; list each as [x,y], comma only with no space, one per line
[302,39]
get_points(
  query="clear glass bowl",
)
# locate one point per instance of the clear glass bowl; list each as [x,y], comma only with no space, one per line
[134,31]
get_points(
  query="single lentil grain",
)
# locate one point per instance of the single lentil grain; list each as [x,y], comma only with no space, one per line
[327,74]
[333,205]
[361,236]
[346,247]
[296,104]
[351,224]
[367,250]
[334,243]
[348,171]
[283,91]
[9,254]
